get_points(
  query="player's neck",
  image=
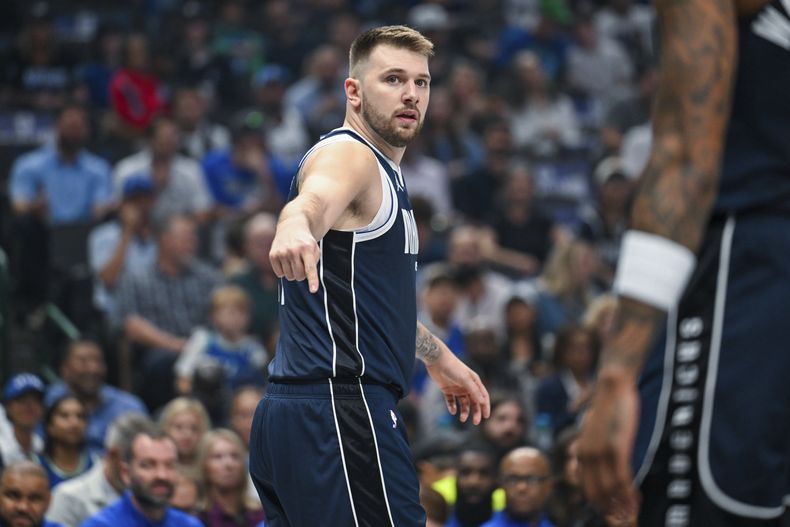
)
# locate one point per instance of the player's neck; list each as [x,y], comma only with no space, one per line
[356,123]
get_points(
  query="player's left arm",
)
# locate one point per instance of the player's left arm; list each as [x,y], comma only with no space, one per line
[460,385]
[671,210]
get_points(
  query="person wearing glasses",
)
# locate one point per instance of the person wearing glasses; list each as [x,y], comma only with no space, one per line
[525,474]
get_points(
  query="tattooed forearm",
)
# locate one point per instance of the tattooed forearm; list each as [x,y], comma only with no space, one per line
[690,114]
[634,327]
[427,349]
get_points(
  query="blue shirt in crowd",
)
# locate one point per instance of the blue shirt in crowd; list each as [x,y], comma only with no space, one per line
[123,513]
[501,519]
[112,403]
[71,190]
[230,185]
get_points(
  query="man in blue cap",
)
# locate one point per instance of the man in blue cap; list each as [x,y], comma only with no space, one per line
[23,402]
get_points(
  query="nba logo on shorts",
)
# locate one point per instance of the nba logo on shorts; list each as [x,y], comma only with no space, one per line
[394,419]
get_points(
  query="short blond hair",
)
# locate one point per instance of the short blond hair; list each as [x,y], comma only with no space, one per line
[180,405]
[229,295]
[400,37]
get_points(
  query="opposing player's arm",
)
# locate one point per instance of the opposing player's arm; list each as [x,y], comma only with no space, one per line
[460,385]
[330,181]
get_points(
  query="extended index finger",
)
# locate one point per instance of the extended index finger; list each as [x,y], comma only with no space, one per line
[310,261]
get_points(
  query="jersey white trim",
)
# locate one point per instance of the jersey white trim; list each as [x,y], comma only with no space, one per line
[663,399]
[343,456]
[378,457]
[326,310]
[715,493]
[354,303]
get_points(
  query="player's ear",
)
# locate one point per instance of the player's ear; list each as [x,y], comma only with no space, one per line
[353,92]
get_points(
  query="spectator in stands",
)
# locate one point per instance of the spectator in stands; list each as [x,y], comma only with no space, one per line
[522,347]
[233,40]
[543,121]
[631,24]
[83,372]
[225,343]
[483,292]
[284,127]
[135,90]
[38,73]
[428,178]
[525,474]
[79,498]
[475,487]
[566,506]
[107,58]
[566,285]
[66,454]
[244,177]
[259,281]
[564,395]
[23,401]
[319,95]
[599,69]
[507,427]
[186,421]
[436,510]
[431,230]
[24,496]
[603,225]
[158,308]
[187,493]
[599,317]
[125,245]
[629,111]
[63,183]
[524,234]
[242,410]
[223,467]
[199,135]
[179,184]
[149,471]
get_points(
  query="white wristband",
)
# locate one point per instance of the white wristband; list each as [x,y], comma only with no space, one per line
[653,269]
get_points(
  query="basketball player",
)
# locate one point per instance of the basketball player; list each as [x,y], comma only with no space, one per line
[328,445]
[709,259]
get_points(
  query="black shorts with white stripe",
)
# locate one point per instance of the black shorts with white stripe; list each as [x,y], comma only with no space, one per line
[333,454]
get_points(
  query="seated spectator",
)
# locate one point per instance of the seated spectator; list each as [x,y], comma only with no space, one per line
[566,286]
[522,347]
[187,493]
[75,500]
[199,135]
[564,395]
[603,225]
[185,421]
[225,343]
[244,177]
[63,183]
[66,454]
[158,308]
[135,90]
[435,458]
[507,426]
[259,281]
[476,484]
[179,185]
[224,470]
[242,410]
[543,121]
[436,510]
[284,128]
[525,474]
[567,506]
[24,496]
[149,471]
[122,246]
[38,73]
[84,371]
[23,401]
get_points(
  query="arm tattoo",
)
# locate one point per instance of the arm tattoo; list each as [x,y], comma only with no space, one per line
[427,350]
[690,113]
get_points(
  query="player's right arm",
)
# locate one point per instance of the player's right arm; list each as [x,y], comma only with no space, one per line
[331,180]
[674,200]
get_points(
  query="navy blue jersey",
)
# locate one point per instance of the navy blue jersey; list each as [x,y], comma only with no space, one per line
[756,169]
[362,320]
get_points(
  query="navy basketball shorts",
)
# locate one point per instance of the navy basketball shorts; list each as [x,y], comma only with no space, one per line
[713,448]
[335,455]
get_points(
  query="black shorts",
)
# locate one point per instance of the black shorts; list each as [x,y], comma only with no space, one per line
[336,455]
[713,448]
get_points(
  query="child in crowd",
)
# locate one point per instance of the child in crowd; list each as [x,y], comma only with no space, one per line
[226,344]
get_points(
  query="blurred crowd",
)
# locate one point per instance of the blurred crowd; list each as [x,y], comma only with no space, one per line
[147,147]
